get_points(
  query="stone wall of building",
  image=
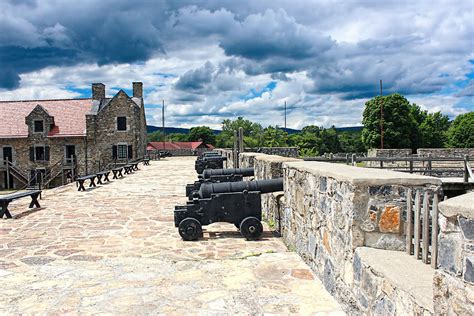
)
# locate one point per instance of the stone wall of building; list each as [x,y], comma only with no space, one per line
[21,154]
[332,209]
[102,132]
[454,279]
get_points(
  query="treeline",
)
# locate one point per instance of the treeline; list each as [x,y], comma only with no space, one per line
[405,126]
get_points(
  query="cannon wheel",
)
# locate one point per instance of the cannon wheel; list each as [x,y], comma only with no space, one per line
[251,228]
[190,229]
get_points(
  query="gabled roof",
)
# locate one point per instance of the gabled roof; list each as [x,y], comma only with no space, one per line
[69,116]
[176,145]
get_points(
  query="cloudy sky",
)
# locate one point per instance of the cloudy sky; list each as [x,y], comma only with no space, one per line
[211,60]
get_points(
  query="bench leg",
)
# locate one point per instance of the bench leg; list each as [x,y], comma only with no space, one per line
[115,174]
[4,210]
[81,185]
[34,201]
[99,179]
[120,174]
[92,184]
[106,177]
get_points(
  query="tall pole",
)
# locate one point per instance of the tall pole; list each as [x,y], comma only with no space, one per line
[381,116]
[163,123]
[285,115]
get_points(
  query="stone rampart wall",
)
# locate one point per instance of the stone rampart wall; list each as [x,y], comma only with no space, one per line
[332,209]
[268,167]
[454,279]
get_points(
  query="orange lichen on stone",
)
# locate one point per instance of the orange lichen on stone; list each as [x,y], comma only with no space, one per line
[304,274]
[390,219]
[326,241]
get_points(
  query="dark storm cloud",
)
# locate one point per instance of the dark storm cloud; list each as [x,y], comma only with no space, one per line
[196,80]
[257,37]
[66,34]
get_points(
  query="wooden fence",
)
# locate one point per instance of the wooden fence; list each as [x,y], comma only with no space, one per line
[422,226]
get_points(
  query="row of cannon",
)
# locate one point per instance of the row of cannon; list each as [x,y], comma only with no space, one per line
[222,195]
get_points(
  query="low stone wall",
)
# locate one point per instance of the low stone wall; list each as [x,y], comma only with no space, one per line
[454,279]
[280,151]
[446,152]
[332,209]
[268,167]
[388,153]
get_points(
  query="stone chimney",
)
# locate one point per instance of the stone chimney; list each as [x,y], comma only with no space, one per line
[138,89]
[98,91]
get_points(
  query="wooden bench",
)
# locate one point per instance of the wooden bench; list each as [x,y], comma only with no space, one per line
[101,174]
[83,179]
[128,169]
[6,199]
[117,173]
[135,165]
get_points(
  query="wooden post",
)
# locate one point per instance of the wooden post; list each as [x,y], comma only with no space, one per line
[426,228]
[8,174]
[411,166]
[434,233]
[429,164]
[409,231]
[354,160]
[416,223]
[241,140]
[236,149]
[347,159]
[466,170]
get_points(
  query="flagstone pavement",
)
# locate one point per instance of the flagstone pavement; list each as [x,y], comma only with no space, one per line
[114,250]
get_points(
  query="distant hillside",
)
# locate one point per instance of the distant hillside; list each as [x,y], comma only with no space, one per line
[172,130]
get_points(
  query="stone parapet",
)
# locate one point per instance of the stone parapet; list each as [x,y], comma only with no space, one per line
[332,209]
[454,279]
[268,167]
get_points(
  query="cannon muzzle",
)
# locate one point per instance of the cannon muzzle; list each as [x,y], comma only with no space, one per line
[262,186]
[245,172]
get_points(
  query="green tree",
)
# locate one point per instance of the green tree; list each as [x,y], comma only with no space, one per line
[252,132]
[177,137]
[433,130]
[155,136]
[330,141]
[399,123]
[202,133]
[274,137]
[461,131]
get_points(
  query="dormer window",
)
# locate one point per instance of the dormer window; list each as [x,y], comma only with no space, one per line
[121,123]
[38,126]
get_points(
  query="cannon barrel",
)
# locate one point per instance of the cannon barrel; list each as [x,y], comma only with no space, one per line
[214,158]
[263,186]
[210,153]
[245,172]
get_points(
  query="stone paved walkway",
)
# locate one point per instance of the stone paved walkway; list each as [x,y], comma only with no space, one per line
[114,249]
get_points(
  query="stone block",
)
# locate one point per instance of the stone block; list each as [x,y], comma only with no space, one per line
[469,269]
[383,307]
[467,227]
[329,279]
[449,253]
[385,241]
[390,219]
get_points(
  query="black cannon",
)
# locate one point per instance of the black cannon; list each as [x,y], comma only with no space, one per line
[218,175]
[233,202]
[209,162]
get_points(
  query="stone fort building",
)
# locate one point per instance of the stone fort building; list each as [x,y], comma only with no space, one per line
[55,139]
